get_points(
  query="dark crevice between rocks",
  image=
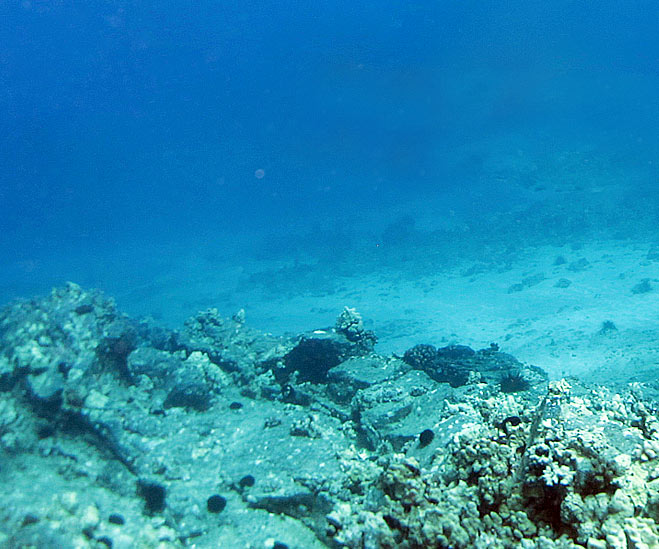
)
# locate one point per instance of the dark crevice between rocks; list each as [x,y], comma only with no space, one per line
[72,423]
[112,353]
[544,506]
[310,508]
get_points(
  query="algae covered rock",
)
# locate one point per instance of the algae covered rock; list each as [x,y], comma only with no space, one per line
[361,372]
[219,435]
[460,364]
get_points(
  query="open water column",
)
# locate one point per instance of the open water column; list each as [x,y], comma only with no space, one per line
[337,275]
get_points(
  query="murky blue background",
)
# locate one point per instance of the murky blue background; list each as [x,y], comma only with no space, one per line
[134,132]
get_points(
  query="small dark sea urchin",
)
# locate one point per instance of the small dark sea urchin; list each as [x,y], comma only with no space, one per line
[514,382]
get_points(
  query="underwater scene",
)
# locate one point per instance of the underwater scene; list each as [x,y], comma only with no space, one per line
[335,274]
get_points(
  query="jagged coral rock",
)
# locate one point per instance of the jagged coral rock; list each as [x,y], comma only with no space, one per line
[351,325]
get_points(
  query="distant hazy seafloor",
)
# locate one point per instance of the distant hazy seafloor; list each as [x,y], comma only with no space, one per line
[119,433]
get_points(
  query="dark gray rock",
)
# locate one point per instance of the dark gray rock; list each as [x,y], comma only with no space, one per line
[359,373]
[316,353]
[189,391]
[156,365]
[579,265]
[643,287]
[526,282]
[383,409]
[456,364]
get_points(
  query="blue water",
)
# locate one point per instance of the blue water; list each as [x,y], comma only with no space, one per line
[138,135]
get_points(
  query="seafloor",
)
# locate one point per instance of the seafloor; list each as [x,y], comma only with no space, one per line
[500,390]
[119,433]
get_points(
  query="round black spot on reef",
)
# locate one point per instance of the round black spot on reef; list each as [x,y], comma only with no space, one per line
[426,437]
[279,545]
[514,382]
[247,481]
[216,503]
[29,518]
[153,495]
[116,518]
[45,431]
[236,405]
[105,541]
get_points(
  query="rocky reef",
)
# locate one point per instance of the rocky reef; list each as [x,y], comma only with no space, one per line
[115,432]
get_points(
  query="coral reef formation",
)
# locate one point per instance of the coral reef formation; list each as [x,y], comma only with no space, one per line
[117,433]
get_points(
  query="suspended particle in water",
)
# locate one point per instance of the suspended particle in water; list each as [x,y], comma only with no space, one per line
[259,174]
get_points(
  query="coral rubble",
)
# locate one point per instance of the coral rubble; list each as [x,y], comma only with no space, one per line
[115,432]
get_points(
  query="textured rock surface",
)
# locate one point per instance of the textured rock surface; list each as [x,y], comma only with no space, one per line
[116,432]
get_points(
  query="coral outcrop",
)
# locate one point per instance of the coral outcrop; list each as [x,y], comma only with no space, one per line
[117,433]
